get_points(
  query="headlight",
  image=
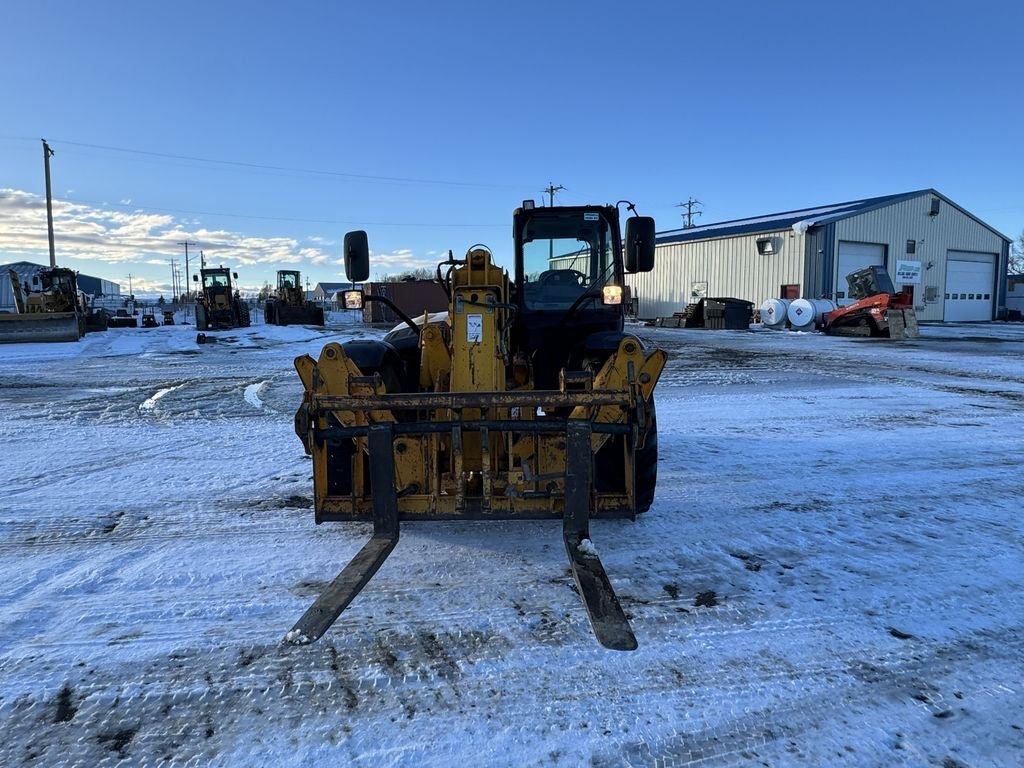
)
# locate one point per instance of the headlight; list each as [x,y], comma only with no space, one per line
[611,294]
[353,299]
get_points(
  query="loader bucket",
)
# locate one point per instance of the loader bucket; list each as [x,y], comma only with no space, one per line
[40,327]
[903,324]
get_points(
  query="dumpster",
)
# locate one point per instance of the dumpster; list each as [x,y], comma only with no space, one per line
[727,314]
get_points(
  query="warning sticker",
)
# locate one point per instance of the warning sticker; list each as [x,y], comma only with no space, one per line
[474,329]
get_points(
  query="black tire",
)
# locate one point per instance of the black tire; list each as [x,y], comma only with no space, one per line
[201,324]
[243,315]
[646,465]
[268,313]
[340,452]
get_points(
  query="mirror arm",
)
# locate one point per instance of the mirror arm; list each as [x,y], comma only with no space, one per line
[389,303]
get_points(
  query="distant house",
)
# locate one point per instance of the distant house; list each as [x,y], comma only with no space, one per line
[1015,293]
[327,291]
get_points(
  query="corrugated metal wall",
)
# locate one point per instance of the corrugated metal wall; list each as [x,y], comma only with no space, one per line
[935,236]
[731,266]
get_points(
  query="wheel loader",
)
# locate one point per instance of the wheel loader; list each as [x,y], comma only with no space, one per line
[289,306]
[220,307]
[51,309]
[878,310]
[525,400]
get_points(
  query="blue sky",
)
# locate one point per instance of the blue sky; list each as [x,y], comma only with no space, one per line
[428,123]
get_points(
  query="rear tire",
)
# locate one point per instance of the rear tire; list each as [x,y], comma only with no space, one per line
[268,313]
[201,324]
[243,315]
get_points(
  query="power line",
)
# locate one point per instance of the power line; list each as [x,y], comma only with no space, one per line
[284,168]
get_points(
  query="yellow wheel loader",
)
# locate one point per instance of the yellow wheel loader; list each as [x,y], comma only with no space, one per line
[289,306]
[51,309]
[526,400]
[219,307]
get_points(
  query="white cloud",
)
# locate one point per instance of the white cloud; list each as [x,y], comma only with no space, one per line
[87,232]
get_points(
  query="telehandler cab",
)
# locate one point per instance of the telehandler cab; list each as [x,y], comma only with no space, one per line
[526,400]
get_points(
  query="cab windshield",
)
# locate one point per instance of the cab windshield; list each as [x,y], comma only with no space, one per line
[289,280]
[216,280]
[564,256]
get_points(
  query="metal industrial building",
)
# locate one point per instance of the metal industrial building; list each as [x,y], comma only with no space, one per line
[955,262]
[25,270]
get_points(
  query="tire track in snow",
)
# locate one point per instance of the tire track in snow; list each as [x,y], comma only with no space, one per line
[717,711]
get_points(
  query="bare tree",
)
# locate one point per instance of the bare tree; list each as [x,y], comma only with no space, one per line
[420,273]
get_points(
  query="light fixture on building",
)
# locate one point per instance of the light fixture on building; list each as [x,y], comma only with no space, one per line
[765,246]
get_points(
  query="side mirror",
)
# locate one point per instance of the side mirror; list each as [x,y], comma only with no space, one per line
[35,279]
[357,256]
[354,299]
[639,244]
[195,278]
[234,275]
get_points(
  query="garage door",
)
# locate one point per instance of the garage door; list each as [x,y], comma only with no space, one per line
[970,285]
[854,256]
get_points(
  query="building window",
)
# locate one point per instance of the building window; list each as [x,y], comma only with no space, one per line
[790,292]
[911,246]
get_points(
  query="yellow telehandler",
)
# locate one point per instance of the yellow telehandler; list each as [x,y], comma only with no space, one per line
[526,400]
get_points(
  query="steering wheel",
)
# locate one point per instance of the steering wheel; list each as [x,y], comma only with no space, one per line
[563,277]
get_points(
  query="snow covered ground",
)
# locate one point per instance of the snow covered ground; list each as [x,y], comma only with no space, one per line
[832,572]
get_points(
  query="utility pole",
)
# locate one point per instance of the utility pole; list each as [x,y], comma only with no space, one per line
[130,296]
[47,152]
[174,282]
[188,277]
[202,260]
[550,189]
[690,213]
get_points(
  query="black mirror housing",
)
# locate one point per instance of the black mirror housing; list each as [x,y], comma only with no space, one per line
[639,244]
[234,275]
[195,278]
[357,256]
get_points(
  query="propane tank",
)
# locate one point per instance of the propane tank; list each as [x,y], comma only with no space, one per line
[773,313]
[805,314]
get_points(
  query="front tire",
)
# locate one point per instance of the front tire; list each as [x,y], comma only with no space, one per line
[646,465]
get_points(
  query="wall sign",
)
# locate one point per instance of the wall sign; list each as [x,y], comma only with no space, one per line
[908,272]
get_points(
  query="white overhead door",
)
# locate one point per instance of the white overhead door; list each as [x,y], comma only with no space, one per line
[970,286]
[854,256]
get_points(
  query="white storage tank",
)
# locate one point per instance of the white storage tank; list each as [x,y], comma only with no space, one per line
[773,313]
[804,314]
